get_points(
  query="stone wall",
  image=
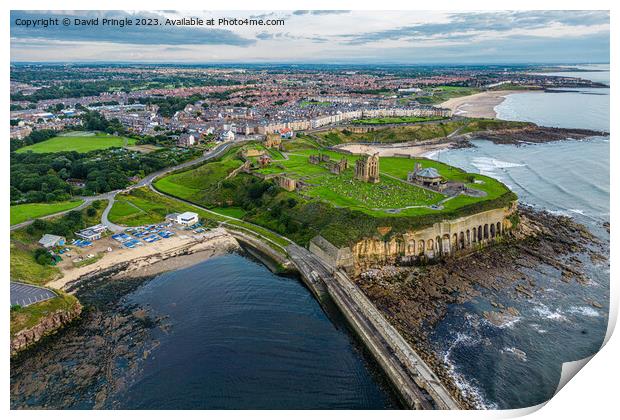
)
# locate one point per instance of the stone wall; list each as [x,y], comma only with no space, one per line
[332,256]
[442,239]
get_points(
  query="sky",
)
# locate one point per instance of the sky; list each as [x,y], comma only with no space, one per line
[321,36]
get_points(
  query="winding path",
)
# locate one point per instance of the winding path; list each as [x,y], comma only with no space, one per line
[146,181]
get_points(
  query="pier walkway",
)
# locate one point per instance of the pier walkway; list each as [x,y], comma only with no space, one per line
[418,386]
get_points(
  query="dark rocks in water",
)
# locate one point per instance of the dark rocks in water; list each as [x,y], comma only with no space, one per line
[78,367]
[531,133]
[540,240]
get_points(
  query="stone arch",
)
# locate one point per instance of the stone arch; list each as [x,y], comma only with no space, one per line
[455,241]
[437,245]
[430,245]
[461,240]
[499,228]
[411,247]
[445,244]
[421,247]
[468,238]
[479,233]
[486,231]
[492,230]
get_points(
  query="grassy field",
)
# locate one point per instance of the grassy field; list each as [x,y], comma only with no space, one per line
[396,120]
[78,141]
[142,207]
[154,208]
[304,104]
[22,318]
[415,132]
[22,212]
[338,207]
[24,267]
[392,197]
[443,93]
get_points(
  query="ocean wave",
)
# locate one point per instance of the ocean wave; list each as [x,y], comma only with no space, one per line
[538,329]
[467,388]
[545,312]
[520,354]
[489,166]
[584,310]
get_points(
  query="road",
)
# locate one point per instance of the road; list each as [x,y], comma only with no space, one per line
[26,294]
[415,380]
[146,181]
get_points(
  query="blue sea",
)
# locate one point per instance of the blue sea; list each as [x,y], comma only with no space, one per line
[241,337]
[518,364]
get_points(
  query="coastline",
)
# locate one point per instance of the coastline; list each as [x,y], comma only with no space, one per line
[171,254]
[479,105]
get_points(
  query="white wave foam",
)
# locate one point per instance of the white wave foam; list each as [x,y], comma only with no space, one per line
[578,211]
[488,166]
[584,310]
[544,311]
[520,354]
[538,329]
[468,389]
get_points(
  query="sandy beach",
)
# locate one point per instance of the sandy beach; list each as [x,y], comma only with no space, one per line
[479,105]
[408,149]
[153,258]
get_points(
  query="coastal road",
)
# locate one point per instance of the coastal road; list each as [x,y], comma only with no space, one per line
[87,201]
[418,385]
[146,181]
[26,294]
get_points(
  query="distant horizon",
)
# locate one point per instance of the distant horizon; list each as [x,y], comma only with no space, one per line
[338,37]
[298,63]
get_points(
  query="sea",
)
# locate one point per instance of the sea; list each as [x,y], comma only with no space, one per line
[241,337]
[518,363]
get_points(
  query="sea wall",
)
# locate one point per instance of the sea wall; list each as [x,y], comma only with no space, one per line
[445,238]
[46,326]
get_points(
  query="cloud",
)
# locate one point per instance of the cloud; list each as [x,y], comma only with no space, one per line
[467,25]
[141,35]
[320,12]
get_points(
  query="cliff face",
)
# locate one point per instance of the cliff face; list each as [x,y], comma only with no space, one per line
[440,240]
[46,326]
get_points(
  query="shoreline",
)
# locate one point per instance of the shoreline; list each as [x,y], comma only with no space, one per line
[478,105]
[174,253]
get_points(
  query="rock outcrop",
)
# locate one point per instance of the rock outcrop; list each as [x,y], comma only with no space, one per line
[46,326]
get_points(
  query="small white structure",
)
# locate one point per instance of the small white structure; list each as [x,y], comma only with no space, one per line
[227,136]
[92,233]
[188,218]
[50,241]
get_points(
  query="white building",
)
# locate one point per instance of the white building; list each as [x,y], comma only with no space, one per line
[188,218]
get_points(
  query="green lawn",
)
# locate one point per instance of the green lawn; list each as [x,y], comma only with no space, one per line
[396,120]
[304,104]
[236,212]
[22,212]
[79,142]
[24,267]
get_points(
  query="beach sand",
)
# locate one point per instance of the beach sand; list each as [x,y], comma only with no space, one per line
[169,254]
[479,105]
[408,149]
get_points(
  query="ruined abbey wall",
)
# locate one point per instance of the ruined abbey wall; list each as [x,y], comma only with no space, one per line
[442,239]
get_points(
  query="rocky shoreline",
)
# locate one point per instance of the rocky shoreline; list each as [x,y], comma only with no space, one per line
[531,134]
[416,299]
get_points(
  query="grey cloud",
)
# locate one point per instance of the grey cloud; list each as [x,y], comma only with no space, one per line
[471,23]
[320,12]
[141,35]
